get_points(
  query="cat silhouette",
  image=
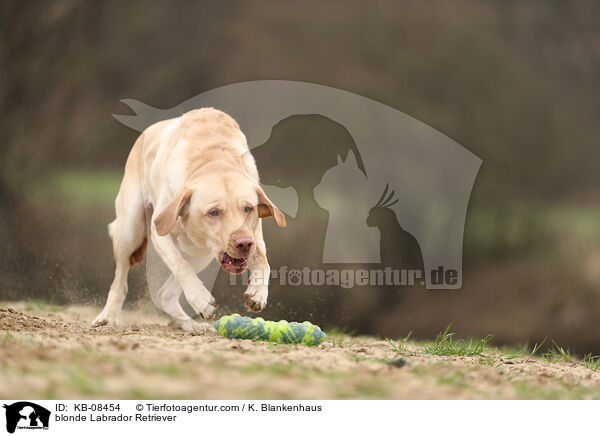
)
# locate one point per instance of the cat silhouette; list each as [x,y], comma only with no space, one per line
[345,193]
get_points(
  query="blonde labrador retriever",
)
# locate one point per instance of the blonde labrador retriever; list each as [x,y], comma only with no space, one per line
[196,180]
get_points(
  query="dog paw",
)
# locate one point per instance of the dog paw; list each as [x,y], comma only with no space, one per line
[203,307]
[105,319]
[256,299]
[209,310]
[193,327]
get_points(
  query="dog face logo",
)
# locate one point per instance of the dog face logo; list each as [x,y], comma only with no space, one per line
[26,415]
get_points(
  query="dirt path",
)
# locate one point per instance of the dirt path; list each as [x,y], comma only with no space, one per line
[52,352]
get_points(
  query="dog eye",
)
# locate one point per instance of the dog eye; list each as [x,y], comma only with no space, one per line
[214,212]
[248,209]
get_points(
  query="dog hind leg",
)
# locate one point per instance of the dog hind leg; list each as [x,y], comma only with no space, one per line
[128,232]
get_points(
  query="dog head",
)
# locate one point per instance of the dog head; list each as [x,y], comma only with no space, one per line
[221,212]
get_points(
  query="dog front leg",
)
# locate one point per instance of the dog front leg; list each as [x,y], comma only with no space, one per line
[194,290]
[167,298]
[258,286]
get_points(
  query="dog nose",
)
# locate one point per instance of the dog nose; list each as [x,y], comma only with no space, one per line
[243,244]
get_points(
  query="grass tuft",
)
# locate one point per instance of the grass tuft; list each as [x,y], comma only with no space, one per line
[445,345]
[338,342]
[591,362]
[399,347]
[559,353]
[198,332]
[535,349]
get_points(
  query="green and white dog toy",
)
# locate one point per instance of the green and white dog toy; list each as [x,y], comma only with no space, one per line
[257,329]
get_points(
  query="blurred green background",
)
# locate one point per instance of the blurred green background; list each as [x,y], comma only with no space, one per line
[517,83]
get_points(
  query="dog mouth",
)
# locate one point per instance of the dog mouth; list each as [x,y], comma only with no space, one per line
[233,265]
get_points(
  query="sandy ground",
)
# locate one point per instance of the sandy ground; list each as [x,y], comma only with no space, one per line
[52,352]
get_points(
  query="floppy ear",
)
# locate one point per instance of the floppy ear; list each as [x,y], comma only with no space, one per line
[266,208]
[165,220]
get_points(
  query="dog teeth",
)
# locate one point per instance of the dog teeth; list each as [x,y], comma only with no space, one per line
[226,259]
